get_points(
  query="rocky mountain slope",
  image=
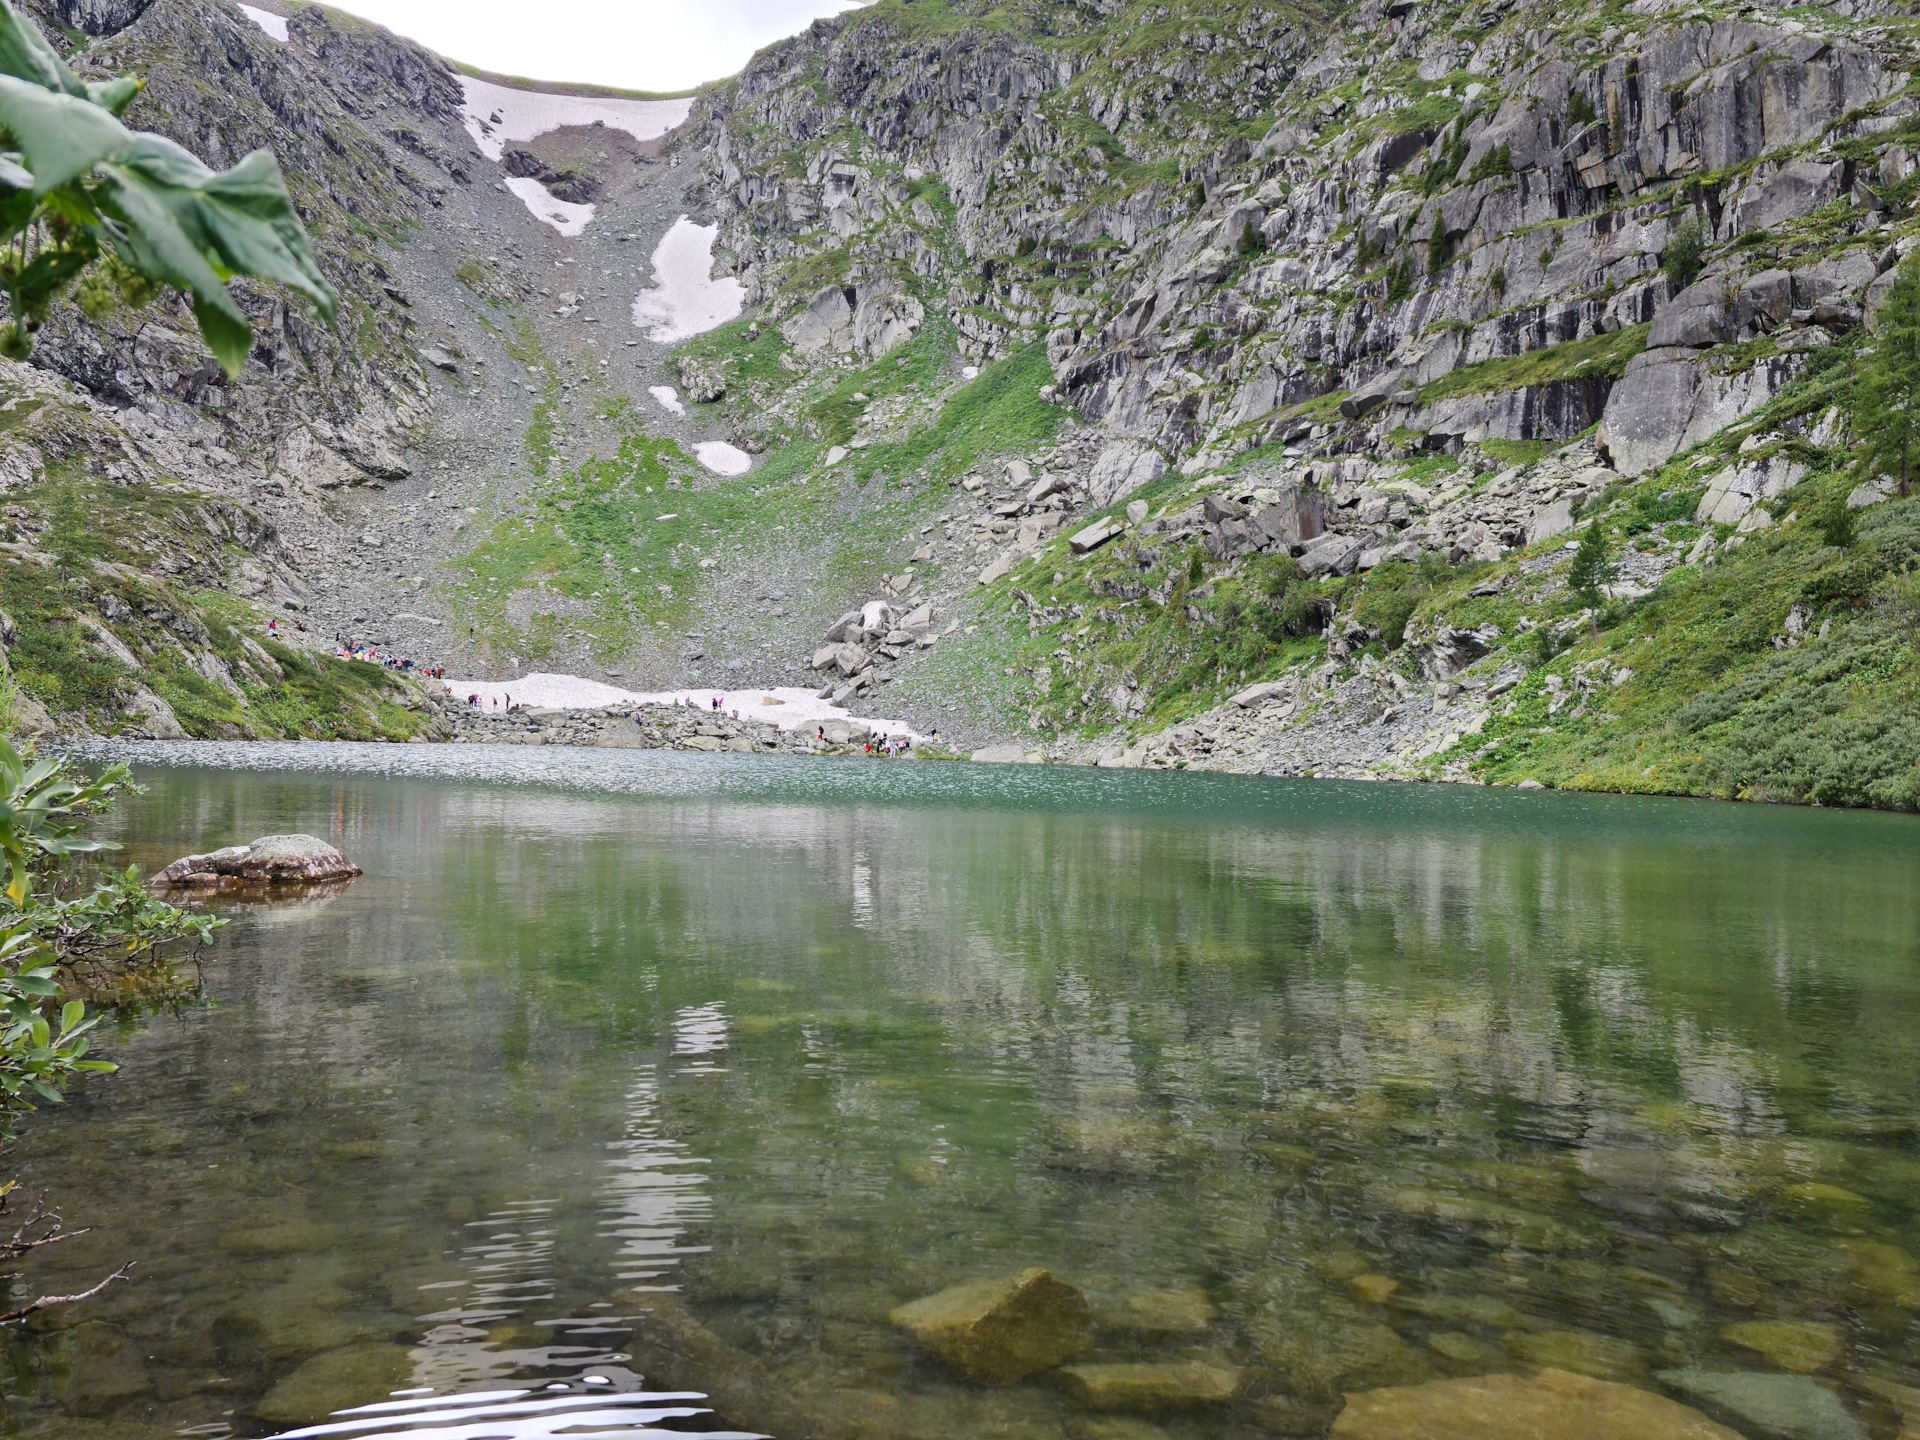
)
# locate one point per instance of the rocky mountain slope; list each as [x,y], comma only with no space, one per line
[1147,384]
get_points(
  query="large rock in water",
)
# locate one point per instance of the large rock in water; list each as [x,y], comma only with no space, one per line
[1510,1407]
[995,1331]
[270,860]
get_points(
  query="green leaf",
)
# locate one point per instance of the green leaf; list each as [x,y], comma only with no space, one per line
[155,244]
[71,1014]
[24,52]
[47,1091]
[61,137]
[114,96]
[243,216]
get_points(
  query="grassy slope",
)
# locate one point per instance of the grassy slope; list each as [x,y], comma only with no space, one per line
[103,537]
[590,539]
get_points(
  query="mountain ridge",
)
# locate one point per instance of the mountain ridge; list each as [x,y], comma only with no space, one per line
[1159,356]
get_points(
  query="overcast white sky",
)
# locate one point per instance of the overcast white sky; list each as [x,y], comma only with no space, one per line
[634,44]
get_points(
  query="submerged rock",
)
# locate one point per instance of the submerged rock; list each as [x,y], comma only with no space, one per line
[1510,1407]
[1160,1312]
[1579,1351]
[270,860]
[1794,1345]
[1776,1407]
[995,1331]
[1151,1387]
[354,1375]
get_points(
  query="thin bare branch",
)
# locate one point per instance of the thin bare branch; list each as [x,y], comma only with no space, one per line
[49,1302]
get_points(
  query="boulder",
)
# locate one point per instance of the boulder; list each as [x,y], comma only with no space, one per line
[1697,316]
[1299,515]
[1648,410]
[883,323]
[1001,755]
[1510,1407]
[1151,1387]
[1549,521]
[703,380]
[270,860]
[1259,694]
[1094,536]
[1122,467]
[825,324]
[1331,555]
[1769,1407]
[996,1331]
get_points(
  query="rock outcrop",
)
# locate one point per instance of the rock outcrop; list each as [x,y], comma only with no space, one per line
[270,860]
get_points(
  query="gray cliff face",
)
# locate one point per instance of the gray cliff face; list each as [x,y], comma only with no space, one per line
[1345,250]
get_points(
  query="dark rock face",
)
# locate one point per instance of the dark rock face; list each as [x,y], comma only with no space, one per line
[576,187]
[102,17]
[270,860]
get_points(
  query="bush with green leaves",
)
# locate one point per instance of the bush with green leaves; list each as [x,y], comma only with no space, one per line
[1686,248]
[77,185]
[111,939]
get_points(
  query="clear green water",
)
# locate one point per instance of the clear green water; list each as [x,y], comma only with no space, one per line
[1589,1081]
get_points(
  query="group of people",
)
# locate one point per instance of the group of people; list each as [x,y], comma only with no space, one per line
[718,703]
[888,745]
[345,647]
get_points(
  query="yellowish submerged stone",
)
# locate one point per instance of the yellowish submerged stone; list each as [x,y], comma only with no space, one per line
[1578,1351]
[996,1331]
[1151,1387]
[1796,1346]
[1553,1404]
[354,1375]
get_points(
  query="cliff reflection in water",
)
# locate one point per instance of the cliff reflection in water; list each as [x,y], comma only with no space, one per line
[1331,1087]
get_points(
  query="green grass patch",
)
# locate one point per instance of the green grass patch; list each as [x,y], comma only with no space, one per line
[1600,355]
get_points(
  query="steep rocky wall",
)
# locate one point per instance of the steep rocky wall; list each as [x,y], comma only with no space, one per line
[1502,182]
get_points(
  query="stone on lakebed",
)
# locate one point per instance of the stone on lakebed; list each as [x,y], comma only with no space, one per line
[338,1378]
[1798,1346]
[1512,1407]
[270,860]
[996,1331]
[1151,1387]
[1770,1407]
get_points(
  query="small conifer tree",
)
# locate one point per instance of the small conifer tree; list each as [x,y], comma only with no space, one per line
[1591,571]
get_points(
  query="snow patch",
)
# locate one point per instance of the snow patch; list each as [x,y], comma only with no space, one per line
[274,25]
[969,372]
[686,299]
[568,219]
[668,397]
[797,709]
[722,458]
[497,116]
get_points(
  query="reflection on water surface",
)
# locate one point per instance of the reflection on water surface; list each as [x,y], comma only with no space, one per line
[660,1077]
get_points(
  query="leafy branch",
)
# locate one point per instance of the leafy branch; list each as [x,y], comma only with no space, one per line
[75,183]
